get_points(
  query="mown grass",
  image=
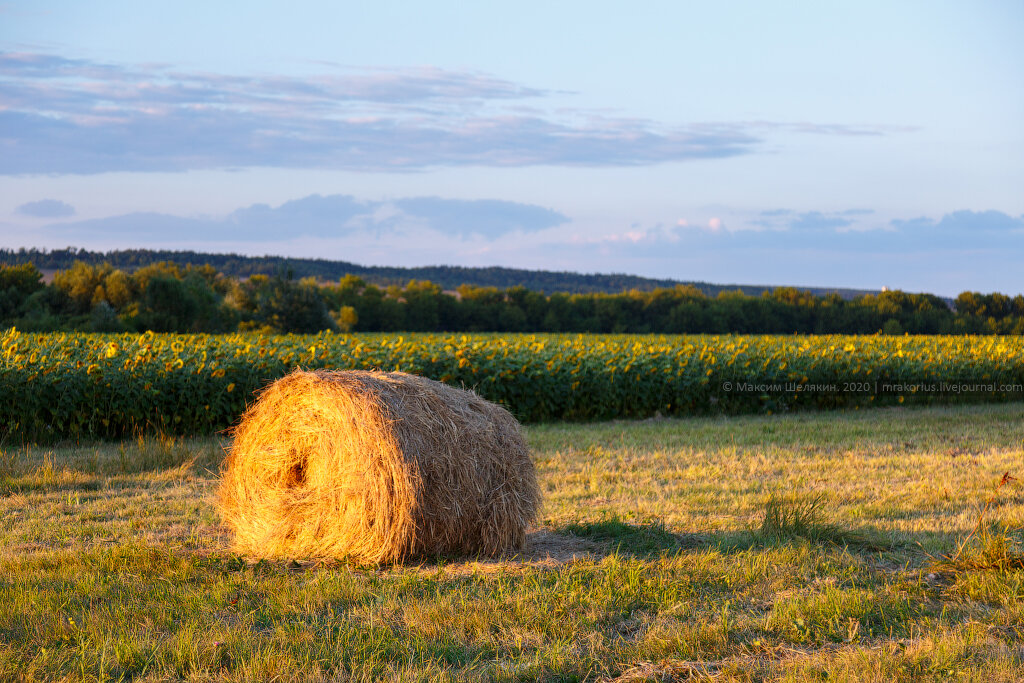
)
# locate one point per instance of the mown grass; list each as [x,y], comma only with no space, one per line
[806,547]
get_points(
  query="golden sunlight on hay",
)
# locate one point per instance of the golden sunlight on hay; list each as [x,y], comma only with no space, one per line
[376,467]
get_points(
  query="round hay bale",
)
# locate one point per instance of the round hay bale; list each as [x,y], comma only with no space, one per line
[376,467]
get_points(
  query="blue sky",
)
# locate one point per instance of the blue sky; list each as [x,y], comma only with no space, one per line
[854,144]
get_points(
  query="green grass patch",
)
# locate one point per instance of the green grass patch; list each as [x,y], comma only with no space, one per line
[644,538]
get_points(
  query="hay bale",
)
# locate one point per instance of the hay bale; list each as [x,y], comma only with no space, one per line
[376,467]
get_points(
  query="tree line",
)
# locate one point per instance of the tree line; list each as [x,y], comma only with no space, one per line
[168,297]
[447,277]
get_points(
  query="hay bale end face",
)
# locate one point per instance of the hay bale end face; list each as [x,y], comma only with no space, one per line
[376,467]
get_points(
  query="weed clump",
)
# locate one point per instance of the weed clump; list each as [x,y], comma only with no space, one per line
[990,545]
[790,518]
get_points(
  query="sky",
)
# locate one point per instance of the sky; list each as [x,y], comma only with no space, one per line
[843,144]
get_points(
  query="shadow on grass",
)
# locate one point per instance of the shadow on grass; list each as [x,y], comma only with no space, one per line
[644,539]
[785,521]
[800,518]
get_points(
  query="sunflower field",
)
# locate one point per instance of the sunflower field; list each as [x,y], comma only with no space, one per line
[78,386]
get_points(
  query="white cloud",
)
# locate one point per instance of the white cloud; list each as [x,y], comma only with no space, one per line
[76,116]
[922,254]
[325,217]
[45,208]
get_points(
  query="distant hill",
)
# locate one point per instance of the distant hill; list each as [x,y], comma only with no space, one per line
[448,277]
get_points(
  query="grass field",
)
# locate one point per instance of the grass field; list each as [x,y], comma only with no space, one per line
[835,546]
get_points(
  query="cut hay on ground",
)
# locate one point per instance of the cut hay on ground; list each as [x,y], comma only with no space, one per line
[376,467]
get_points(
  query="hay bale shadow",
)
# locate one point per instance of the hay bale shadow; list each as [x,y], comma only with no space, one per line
[639,539]
[544,548]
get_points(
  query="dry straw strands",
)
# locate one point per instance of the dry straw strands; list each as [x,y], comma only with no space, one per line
[376,467]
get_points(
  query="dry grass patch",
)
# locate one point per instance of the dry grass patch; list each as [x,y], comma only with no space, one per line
[992,544]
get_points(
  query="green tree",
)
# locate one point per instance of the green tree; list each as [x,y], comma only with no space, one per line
[289,306]
[422,306]
[166,305]
[17,284]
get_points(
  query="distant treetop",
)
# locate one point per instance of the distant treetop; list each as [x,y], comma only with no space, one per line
[449,278]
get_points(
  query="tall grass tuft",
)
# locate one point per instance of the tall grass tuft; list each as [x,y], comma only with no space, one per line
[788,518]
